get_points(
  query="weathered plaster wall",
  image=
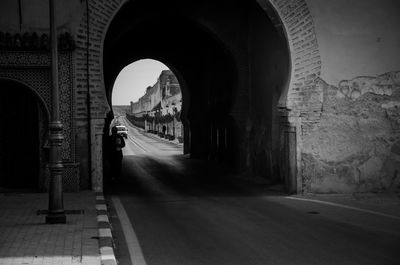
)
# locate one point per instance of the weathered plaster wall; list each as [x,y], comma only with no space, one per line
[355,146]
[353,143]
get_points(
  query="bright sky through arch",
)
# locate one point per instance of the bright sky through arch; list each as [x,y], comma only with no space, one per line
[132,81]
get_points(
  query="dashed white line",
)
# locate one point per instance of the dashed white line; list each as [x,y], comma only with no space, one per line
[103,218]
[107,254]
[137,144]
[105,232]
[101,207]
[135,251]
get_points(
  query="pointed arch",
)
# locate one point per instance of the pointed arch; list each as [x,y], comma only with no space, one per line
[293,19]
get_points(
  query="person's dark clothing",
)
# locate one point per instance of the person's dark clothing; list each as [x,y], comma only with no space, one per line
[117,142]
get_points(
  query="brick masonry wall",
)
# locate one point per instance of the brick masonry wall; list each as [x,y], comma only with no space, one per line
[306,60]
[100,15]
[302,100]
[90,85]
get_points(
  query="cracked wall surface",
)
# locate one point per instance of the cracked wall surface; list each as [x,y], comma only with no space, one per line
[355,146]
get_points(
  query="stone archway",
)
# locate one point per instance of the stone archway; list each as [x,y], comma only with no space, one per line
[301,98]
[292,18]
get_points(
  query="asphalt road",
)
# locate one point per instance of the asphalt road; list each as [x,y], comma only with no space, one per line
[169,209]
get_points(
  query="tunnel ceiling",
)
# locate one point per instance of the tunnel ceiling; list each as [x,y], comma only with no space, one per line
[205,43]
[191,38]
[175,41]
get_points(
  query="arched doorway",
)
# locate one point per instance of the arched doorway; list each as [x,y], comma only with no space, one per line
[22,132]
[227,22]
[204,68]
[236,65]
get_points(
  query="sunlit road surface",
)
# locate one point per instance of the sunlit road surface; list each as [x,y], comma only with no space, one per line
[183,211]
[140,143]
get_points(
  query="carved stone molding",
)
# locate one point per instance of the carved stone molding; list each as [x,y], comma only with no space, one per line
[23,59]
[32,42]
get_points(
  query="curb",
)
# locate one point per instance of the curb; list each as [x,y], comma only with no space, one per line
[107,256]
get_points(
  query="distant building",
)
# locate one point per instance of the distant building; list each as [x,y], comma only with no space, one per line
[158,110]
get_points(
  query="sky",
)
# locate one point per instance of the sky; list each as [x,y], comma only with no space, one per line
[132,81]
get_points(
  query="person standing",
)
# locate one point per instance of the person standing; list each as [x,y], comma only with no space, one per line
[117,143]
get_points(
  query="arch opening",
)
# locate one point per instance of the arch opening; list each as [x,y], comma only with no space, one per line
[201,65]
[23,151]
[148,95]
[234,63]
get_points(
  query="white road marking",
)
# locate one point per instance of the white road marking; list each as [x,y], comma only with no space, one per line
[146,142]
[128,150]
[135,251]
[345,206]
[105,232]
[101,207]
[107,253]
[102,218]
[136,143]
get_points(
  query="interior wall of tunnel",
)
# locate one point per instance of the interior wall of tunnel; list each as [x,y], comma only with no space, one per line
[270,70]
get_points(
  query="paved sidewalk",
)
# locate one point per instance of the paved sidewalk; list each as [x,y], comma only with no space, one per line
[26,239]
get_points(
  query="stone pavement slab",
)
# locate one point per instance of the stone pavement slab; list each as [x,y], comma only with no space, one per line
[26,239]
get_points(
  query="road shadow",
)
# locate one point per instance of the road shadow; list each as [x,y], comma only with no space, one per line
[143,175]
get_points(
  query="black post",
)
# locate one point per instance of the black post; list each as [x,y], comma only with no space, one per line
[56,214]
